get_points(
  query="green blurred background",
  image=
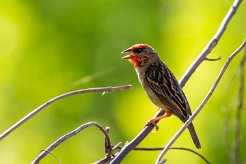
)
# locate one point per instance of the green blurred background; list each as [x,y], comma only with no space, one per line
[49,47]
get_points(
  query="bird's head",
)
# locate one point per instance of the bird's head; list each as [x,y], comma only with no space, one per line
[140,55]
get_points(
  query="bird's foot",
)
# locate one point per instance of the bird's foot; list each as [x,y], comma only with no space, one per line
[152,122]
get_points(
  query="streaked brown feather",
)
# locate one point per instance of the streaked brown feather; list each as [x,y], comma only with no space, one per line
[166,87]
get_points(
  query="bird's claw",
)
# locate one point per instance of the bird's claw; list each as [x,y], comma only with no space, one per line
[151,122]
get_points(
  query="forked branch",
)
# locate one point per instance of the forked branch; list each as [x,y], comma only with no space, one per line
[69,135]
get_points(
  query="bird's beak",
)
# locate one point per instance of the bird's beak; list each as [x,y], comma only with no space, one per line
[127,50]
[129,56]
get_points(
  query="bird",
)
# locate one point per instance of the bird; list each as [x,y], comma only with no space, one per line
[160,85]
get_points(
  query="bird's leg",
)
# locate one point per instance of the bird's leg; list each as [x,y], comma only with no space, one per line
[153,120]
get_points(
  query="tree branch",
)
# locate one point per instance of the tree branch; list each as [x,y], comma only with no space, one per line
[201,105]
[69,135]
[35,111]
[212,43]
[183,81]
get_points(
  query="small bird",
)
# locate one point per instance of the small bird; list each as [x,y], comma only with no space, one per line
[160,85]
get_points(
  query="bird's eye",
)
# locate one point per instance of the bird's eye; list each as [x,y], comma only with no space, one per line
[139,50]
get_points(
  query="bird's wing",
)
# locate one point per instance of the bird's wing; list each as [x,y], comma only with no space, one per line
[166,87]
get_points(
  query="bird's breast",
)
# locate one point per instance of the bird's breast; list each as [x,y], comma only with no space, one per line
[150,93]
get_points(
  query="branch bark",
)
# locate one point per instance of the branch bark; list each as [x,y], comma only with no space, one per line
[212,43]
[51,101]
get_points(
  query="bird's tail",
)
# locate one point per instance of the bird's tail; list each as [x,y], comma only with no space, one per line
[194,136]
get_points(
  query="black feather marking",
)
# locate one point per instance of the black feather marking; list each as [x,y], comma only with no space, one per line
[166,87]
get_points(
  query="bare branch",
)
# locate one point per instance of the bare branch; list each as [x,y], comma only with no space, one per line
[212,43]
[107,145]
[67,136]
[181,130]
[35,111]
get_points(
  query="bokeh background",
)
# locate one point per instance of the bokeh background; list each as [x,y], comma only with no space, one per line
[49,47]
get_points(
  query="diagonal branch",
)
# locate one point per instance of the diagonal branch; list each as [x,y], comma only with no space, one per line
[200,107]
[51,101]
[212,43]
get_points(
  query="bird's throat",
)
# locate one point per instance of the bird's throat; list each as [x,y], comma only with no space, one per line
[135,62]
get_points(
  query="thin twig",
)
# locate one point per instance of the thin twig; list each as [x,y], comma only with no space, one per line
[67,136]
[213,42]
[190,150]
[236,159]
[107,145]
[181,130]
[35,111]
[172,148]
[117,146]
[58,159]
[184,79]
